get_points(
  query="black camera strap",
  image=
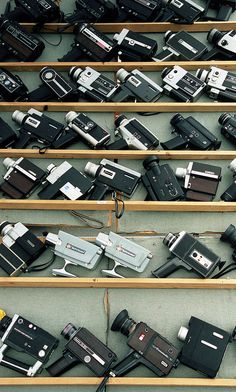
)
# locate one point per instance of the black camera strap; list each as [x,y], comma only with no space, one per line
[88,220]
[119,210]
[43,266]
[230,267]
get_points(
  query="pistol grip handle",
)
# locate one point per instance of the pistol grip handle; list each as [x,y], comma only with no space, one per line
[130,362]
[224,13]
[22,141]
[168,268]
[99,191]
[4,53]
[14,364]
[63,364]
[73,55]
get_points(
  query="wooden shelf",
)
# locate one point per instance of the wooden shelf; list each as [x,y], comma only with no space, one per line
[118,283]
[122,381]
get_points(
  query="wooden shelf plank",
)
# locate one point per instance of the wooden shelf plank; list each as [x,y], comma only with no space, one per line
[118,154]
[126,283]
[114,66]
[156,107]
[122,381]
[150,27]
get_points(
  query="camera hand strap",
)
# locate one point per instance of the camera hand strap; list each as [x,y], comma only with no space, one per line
[88,220]
[3,51]
[230,267]
[119,211]
[43,266]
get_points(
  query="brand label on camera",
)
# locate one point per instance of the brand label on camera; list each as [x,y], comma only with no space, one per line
[75,248]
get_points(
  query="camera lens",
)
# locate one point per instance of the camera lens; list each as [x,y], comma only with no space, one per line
[214,36]
[230,193]
[18,116]
[123,323]
[150,162]
[8,162]
[169,239]
[177,117]
[224,118]
[119,120]
[168,35]
[70,116]
[229,236]
[4,225]
[74,73]
[122,74]
[202,74]
[68,331]
[91,169]
[165,72]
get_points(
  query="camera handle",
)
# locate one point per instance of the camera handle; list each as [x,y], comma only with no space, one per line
[99,191]
[171,266]
[73,55]
[4,52]
[130,362]
[15,364]
[112,272]
[211,54]
[41,94]
[17,14]
[224,13]
[66,139]
[22,141]
[63,364]
[62,271]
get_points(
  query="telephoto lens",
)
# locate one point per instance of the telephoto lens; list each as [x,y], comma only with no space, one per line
[229,236]
[68,331]
[214,36]
[123,323]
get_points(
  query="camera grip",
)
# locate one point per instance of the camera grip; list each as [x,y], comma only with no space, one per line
[130,362]
[41,94]
[14,364]
[73,55]
[63,364]
[18,15]
[22,141]
[4,53]
[168,268]
[224,12]
[66,140]
[99,191]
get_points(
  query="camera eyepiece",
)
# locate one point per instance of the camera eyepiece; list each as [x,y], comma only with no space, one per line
[123,323]
[214,36]
[229,236]
[224,118]
[150,162]
[175,119]
[68,331]
[169,239]
[119,120]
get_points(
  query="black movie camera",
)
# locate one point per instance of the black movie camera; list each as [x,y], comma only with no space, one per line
[228,126]
[92,11]
[230,193]
[12,88]
[39,11]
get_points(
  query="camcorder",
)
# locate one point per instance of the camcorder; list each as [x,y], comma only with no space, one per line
[64,180]
[132,46]
[181,11]
[92,11]
[83,348]
[230,236]
[19,248]
[90,43]
[181,84]
[220,84]
[36,126]
[224,45]
[160,181]
[7,135]
[181,46]
[190,134]
[200,180]
[39,11]
[144,10]
[190,254]
[22,335]
[204,346]
[21,179]
[124,253]
[87,130]
[228,126]
[74,251]
[134,135]
[12,88]
[54,87]
[230,193]
[224,8]
[110,176]
[148,348]
[17,42]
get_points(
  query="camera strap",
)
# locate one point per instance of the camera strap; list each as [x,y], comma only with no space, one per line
[119,211]
[101,386]
[43,266]
[91,222]
[227,269]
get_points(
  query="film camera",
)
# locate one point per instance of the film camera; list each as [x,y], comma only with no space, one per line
[188,253]
[181,46]
[145,10]
[228,128]
[220,84]
[191,134]
[40,11]
[83,348]
[110,176]
[200,180]
[35,125]
[123,252]
[134,135]
[181,11]
[21,179]
[64,180]
[230,236]
[93,85]
[160,181]
[139,86]
[19,248]
[7,135]
[90,43]
[12,88]
[17,42]
[182,85]
[204,346]
[74,251]
[92,11]
[230,193]
[22,335]
[86,129]
[147,346]
[54,86]
[134,46]
[224,8]
[224,45]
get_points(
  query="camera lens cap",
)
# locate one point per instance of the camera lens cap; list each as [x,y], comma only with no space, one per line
[119,320]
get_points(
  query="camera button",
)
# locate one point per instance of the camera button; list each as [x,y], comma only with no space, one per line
[87,359]
[41,353]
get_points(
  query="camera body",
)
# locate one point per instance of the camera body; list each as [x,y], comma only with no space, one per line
[228,126]
[21,178]
[12,88]
[220,84]
[39,11]
[7,135]
[74,251]
[111,176]
[229,236]
[204,346]
[224,8]
[90,132]
[201,180]
[145,10]
[139,85]
[160,181]
[17,42]
[182,11]
[191,134]
[134,46]
[19,248]
[83,347]
[93,11]
[35,125]
[224,45]
[230,193]
[123,252]
[90,43]
[22,335]
[181,46]
[181,84]
[188,253]
[65,180]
